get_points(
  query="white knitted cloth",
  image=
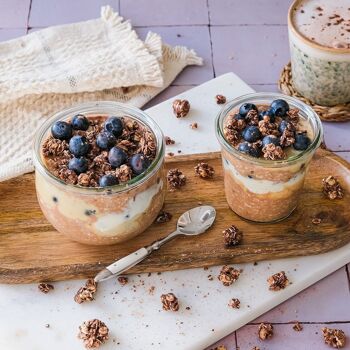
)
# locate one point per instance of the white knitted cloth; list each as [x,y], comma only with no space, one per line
[57,67]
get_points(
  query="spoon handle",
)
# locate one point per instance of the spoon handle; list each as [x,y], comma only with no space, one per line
[124,264]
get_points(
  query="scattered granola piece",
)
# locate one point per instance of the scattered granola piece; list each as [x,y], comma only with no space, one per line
[278,281]
[297,327]
[273,152]
[94,333]
[232,236]
[181,108]
[194,126]
[220,347]
[234,303]
[170,154]
[316,221]
[220,99]
[45,287]
[255,348]
[210,277]
[162,217]
[228,275]
[151,290]
[87,292]
[169,302]
[169,141]
[123,280]
[204,170]
[176,178]
[332,188]
[265,331]
[334,337]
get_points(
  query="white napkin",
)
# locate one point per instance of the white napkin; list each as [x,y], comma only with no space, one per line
[57,67]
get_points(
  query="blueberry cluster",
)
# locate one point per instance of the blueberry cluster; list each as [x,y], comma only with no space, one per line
[106,140]
[266,132]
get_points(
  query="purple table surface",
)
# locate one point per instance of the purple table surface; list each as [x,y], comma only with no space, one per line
[248,37]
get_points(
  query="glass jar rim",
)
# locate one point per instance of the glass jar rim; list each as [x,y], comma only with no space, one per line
[295,103]
[101,107]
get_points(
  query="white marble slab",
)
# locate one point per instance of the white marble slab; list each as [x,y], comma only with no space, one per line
[134,316]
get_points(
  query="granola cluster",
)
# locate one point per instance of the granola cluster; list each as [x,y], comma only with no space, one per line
[134,139]
[163,217]
[176,178]
[232,236]
[278,281]
[297,327]
[87,292]
[123,280]
[273,152]
[45,287]
[331,188]
[204,170]
[220,99]
[93,333]
[334,337]
[265,331]
[170,302]
[234,303]
[181,108]
[228,275]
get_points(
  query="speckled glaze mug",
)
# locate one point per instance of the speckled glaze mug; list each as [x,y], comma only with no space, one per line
[320,73]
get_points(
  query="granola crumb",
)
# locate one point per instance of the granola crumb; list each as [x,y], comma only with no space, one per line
[331,188]
[220,99]
[169,141]
[45,287]
[334,337]
[210,277]
[278,281]
[170,154]
[297,327]
[228,275]
[188,308]
[163,216]
[176,178]
[123,280]
[265,331]
[316,221]
[194,126]
[181,108]
[232,236]
[255,348]
[234,303]
[93,333]
[204,170]
[220,347]
[151,290]
[87,292]
[170,302]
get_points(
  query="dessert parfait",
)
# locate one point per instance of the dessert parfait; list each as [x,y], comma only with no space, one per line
[267,143]
[319,37]
[99,172]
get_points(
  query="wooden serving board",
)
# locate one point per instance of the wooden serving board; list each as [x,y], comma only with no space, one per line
[32,251]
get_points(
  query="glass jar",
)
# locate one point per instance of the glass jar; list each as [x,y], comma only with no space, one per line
[320,73]
[99,216]
[264,190]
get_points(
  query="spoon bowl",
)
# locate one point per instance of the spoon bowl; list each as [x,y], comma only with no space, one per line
[196,220]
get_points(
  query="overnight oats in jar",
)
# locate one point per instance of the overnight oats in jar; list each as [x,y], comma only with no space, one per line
[99,172]
[267,141]
[319,38]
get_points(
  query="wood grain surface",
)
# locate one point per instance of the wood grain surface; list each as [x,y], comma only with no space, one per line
[32,251]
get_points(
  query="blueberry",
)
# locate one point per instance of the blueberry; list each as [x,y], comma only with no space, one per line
[114,125]
[105,140]
[247,148]
[270,139]
[108,180]
[116,157]
[79,165]
[239,117]
[80,122]
[61,130]
[302,142]
[251,133]
[246,107]
[139,163]
[279,107]
[268,112]
[79,145]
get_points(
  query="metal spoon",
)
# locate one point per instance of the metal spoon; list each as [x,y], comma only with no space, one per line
[193,222]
